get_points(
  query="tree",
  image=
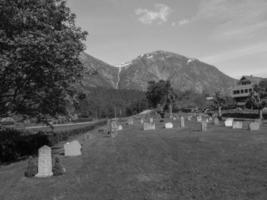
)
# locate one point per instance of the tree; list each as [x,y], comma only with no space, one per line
[256,98]
[219,102]
[39,57]
[161,94]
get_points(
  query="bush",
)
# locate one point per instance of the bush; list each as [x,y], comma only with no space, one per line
[15,144]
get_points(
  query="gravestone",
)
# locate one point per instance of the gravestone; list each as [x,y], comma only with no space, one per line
[216,121]
[199,118]
[149,126]
[120,128]
[229,122]
[44,162]
[72,148]
[32,168]
[237,125]
[142,121]
[169,125]
[254,126]
[58,169]
[182,122]
[130,121]
[114,126]
[151,120]
[204,125]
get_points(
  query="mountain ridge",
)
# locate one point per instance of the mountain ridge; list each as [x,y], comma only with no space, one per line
[184,73]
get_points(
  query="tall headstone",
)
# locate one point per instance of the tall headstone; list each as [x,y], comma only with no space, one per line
[149,126]
[204,125]
[237,125]
[229,122]
[72,148]
[169,125]
[44,162]
[182,122]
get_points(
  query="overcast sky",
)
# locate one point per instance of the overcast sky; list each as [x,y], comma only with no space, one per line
[230,34]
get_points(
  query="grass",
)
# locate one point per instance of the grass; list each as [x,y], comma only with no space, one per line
[221,164]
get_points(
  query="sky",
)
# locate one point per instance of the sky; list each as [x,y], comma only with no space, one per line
[229,34]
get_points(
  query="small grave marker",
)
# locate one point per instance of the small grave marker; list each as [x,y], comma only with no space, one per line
[237,125]
[204,125]
[72,148]
[149,126]
[254,126]
[169,125]
[229,122]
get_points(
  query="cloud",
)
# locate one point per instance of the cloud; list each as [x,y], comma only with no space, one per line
[184,22]
[249,50]
[160,14]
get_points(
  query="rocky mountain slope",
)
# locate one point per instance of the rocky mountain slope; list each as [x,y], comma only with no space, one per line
[184,73]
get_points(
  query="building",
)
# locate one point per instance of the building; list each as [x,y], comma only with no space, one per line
[243,89]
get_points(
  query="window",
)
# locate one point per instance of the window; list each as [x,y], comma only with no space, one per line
[242,91]
[246,90]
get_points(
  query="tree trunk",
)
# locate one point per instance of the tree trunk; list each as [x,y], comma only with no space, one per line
[170,110]
[260,114]
[220,112]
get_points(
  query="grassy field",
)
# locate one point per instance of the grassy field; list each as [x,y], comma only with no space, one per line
[221,164]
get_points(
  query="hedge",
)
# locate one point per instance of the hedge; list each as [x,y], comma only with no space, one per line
[15,144]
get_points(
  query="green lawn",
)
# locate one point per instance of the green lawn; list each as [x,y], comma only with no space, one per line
[221,164]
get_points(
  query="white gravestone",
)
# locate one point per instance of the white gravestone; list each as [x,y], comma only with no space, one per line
[199,118]
[72,148]
[237,125]
[182,122]
[169,125]
[149,126]
[114,126]
[120,128]
[254,126]
[229,122]
[44,162]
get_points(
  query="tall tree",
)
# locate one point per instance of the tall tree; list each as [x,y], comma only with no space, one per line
[161,94]
[257,96]
[39,56]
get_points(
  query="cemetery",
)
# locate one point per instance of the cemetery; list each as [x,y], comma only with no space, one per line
[147,160]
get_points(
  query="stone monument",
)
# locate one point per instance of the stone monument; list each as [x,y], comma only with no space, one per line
[44,162]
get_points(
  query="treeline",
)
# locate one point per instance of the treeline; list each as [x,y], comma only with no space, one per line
[104,102]
[98,103]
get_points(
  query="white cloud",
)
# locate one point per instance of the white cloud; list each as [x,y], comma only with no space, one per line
[184,22]
[160,14]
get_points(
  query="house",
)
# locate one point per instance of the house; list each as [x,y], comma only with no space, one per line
[243,89]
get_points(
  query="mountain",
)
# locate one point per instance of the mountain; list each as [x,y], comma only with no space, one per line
[98,73]
[184,73]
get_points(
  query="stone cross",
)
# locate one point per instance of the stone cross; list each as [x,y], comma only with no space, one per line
[44,162]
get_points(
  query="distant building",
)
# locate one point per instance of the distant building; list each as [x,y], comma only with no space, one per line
[243,89]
